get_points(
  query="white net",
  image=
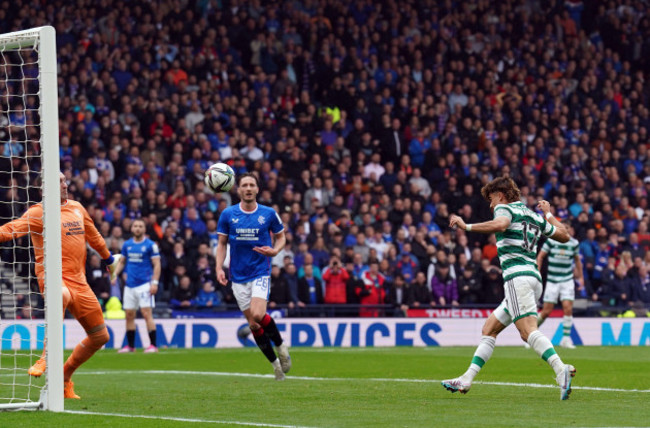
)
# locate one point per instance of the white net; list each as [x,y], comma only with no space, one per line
[22,326]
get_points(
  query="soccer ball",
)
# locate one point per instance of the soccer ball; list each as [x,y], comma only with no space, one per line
[220,177]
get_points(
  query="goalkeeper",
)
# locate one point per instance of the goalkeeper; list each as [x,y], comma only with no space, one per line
[77,229]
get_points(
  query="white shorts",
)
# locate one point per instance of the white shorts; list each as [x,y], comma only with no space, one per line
[522,294]
[564,290]
[258,287]
[138,297]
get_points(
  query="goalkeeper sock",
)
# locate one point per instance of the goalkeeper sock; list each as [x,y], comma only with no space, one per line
[544,349]
[264,343]
[567,325]
[152,337]
[130,338]
[271,329]
[481,356]
[83,351]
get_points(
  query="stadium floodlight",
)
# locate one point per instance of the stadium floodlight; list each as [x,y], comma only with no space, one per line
[29,146]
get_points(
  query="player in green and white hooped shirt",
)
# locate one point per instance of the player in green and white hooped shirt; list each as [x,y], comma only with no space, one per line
[517,229]
[563,266]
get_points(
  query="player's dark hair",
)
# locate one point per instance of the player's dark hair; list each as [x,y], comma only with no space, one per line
[505,185]
[248,174]
[139,219]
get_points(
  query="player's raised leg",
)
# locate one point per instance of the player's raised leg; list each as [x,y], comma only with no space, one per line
[522,295]
[86,309]
[564,373]
[97,337]
[272,331]
[264,330]
[491,329]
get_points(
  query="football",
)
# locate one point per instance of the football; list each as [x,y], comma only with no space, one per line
[220,177]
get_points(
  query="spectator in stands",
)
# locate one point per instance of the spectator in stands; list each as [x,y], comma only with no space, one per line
[371,292]
[358,267]
[406,266]
[309,261]
[207,297]
[420,292]
[280,293]
[183,296]
[641,287]
[335,278]
[310,290]
[469,286]
[491,284]
[444,288]
[397,296]
[290,275]
[320,253]
[617,286]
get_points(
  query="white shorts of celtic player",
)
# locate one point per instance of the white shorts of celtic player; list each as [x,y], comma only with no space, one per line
[259,287]
[564,290]
[521,296]
[138,297]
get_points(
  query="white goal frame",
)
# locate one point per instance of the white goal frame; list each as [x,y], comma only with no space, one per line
[44,39]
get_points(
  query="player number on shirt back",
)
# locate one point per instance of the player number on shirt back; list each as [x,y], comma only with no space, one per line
[529,244]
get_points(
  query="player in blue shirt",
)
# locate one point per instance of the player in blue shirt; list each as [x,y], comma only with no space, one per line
[248,227]
[141,262]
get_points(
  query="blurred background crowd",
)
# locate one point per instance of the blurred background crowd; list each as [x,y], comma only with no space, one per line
[368,122]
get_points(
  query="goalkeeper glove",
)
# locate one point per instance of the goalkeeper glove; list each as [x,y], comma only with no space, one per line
[111,263]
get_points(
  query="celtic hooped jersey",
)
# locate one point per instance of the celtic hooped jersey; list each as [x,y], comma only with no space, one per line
[517,245]
[561,259]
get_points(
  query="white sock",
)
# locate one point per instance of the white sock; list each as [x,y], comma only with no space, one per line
[276,363]
[481,356]
[567,325]
[544,349]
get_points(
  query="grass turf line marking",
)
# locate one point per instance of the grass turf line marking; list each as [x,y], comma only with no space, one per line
[340,379]
[176,419]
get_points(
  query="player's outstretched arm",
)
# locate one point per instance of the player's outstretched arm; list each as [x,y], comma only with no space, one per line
[499,224]
[561,234]
[30,221]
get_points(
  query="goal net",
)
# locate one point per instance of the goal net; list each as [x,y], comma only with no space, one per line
[29,173]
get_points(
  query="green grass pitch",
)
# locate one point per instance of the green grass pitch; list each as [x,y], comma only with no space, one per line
[358,387]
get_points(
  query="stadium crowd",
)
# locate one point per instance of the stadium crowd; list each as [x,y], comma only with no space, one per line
[368,122]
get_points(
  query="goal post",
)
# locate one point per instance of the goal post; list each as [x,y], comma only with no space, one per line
[38,102]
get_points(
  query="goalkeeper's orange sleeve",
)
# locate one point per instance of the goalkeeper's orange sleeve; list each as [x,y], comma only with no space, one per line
[30,222]
[93,237]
